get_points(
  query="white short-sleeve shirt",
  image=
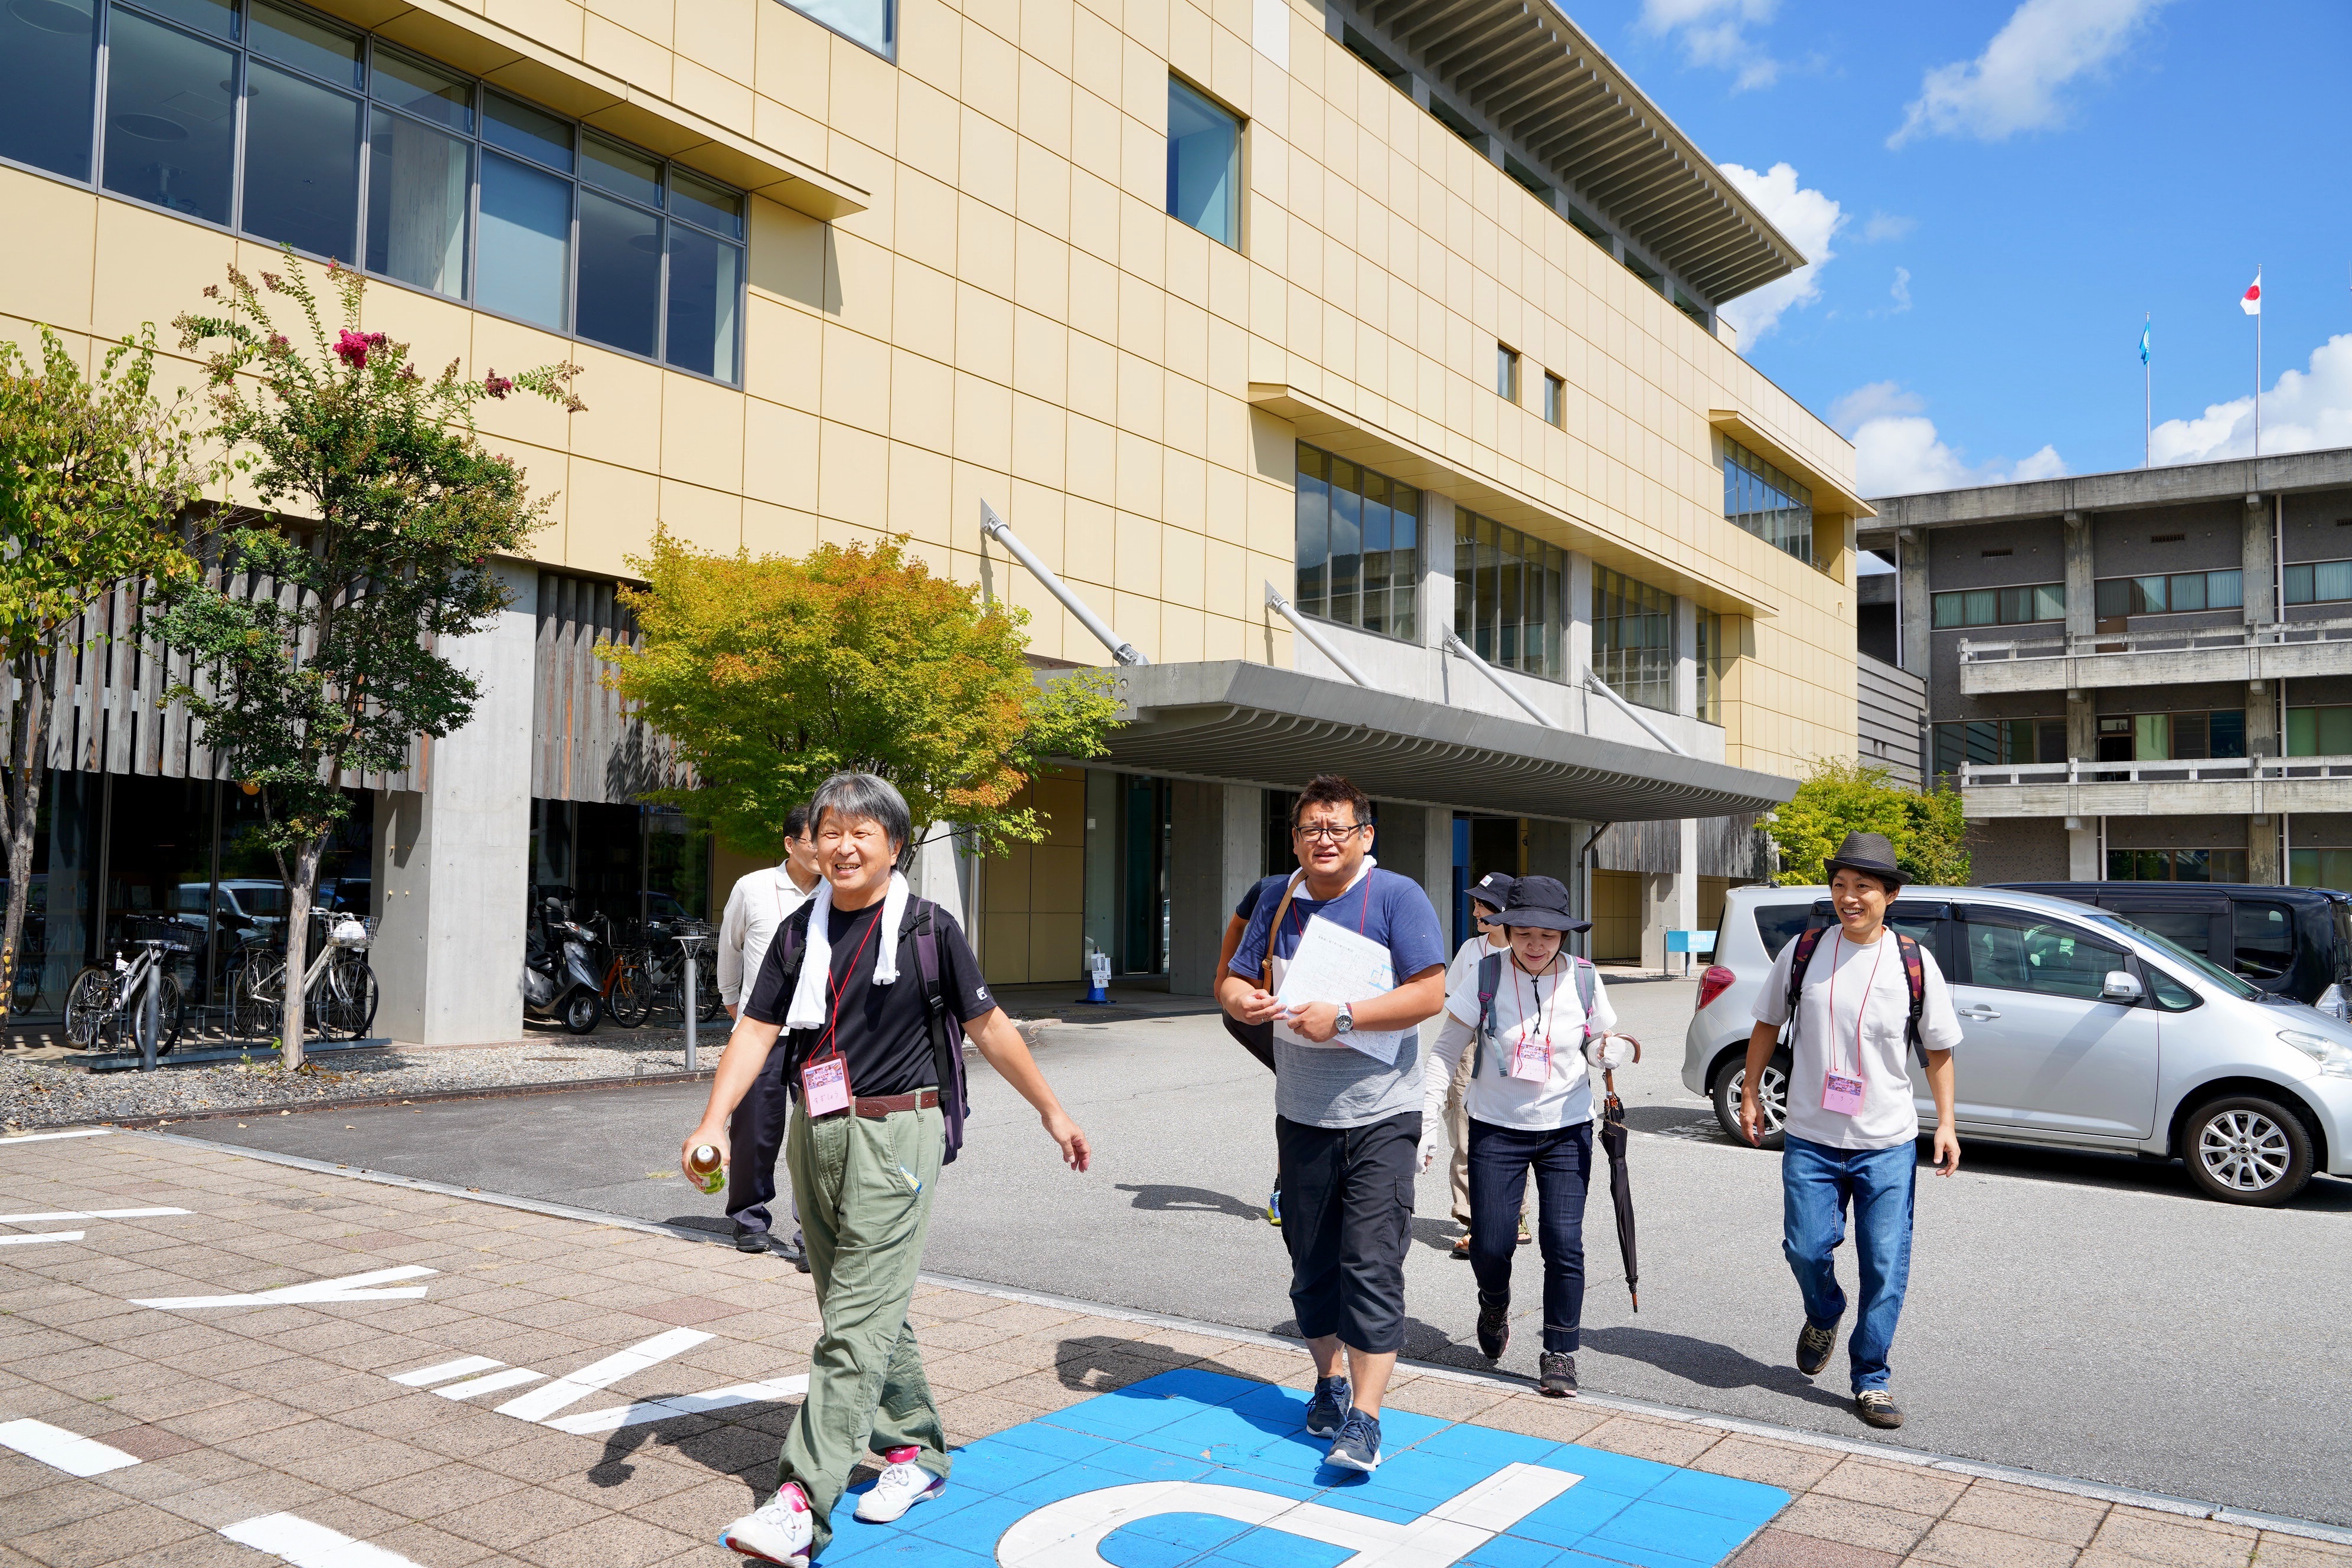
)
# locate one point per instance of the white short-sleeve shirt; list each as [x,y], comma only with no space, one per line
[1850,989]
[1536,1005]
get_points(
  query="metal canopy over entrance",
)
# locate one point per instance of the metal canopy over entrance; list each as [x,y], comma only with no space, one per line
[1233,722]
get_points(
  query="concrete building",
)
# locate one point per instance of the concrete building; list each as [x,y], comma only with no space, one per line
[1408,311]
[2139,676]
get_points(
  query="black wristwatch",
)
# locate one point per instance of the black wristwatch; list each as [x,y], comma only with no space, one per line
[1344,1023]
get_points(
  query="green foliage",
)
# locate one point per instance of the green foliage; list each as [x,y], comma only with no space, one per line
[771,673]
[1841,796]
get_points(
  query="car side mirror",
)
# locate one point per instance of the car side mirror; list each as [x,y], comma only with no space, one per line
[2120,987]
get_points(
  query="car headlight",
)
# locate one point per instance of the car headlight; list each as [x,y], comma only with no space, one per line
[2334,1057]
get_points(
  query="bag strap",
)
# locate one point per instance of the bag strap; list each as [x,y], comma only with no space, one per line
[1809,941]
[1586,984]
[1915,976]
[1273,930]
[1490,979]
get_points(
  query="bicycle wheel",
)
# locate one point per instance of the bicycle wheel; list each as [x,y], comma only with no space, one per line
[256,1004]
[349,996]
[92,1008]
[171,1013]
[629,997]
[709,1005]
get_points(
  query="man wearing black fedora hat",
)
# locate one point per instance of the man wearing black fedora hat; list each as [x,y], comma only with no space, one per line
[1860,1005]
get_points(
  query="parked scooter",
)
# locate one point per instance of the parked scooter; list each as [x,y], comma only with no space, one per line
[559,976]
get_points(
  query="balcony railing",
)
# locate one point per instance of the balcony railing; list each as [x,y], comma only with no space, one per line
[2200,770]
[2183,639]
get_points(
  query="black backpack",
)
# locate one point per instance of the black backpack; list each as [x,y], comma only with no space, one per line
[1490,980]
[918,930]
[1915,977]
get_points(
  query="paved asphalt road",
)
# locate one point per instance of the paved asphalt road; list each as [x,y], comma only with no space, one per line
[2080,1315]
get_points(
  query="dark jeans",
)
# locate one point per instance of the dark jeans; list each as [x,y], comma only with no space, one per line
[1817,1183]
[756,1134]
[1347,1218]
[1561,1158]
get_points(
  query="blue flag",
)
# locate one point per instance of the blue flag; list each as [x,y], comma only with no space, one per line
[2144,327]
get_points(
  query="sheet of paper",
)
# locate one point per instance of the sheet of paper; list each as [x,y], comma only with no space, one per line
[1333,963]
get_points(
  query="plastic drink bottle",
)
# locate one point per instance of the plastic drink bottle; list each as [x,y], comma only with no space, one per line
[704,1165]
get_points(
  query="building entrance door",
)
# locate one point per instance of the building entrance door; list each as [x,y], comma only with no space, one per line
[1145,818]
[1616,917]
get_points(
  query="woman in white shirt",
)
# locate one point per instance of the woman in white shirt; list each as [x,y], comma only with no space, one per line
[1523,1018]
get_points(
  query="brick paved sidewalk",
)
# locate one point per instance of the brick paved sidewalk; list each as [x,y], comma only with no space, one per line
[482,1385]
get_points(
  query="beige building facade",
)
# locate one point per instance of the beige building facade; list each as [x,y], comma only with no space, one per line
[1296,338]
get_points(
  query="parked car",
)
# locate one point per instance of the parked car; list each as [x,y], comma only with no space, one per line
[2080,1028]
[2294,940]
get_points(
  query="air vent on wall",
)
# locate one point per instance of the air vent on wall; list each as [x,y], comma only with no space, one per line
[1990,554]
[2165,537]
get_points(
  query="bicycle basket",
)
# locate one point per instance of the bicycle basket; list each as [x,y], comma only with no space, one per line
[348,931]
[170,935]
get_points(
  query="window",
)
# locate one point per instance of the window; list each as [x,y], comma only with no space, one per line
[2265,938]
[1358,546]
[1766,503]
[873,23]
[2176,866]
[261,117]
[2176,593]
[1204,166]
[2171,737]
[1554,404]
[2000,744]
[1999,606]
[1713,659]
[2320,868]
[2015,951]
[2319,582]
[1506,373]
[2319,732]
[1633,638]
[1510,593]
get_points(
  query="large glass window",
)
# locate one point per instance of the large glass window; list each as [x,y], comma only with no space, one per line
[1204,166]
[873,23]
[1510,597]
[2317,867]
[2000,743]
[1766,503]
[1633,638]
[2176,866]
[1713,660]
[1358,546]
[2319,582]
[2174,592]
[349,149]
[1999,606]
[2171,737]
[2319,732]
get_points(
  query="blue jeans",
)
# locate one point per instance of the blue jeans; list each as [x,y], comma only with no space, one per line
[1561,1158]
[1817,1183]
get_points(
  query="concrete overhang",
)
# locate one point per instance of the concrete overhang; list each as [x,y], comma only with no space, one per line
[2162,667]
[2128,489]
[1826,487]
[1334,429]
[1233,722]
[526,65]
[2240,797]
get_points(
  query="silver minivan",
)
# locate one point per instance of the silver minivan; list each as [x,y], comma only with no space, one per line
[2079,1029]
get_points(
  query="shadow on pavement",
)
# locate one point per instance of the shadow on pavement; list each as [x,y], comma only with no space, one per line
[1159,1198]
[1709,1365]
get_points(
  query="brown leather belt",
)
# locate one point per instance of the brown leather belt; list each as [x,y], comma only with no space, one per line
[875,1107]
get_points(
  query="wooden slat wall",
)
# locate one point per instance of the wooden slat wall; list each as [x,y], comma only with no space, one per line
[587,743]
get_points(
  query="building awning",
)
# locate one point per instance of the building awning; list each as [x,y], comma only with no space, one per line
[1234,723]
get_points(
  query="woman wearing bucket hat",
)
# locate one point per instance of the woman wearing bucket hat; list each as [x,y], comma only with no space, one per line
[1852,1120]
[1532,1020]
[1488,895]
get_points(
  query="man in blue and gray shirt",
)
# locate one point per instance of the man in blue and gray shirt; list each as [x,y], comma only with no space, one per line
[1348,1124]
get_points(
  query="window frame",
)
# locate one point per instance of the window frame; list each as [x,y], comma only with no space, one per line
[1935,601]
[2309,573]
[1555,407]
[1317,605]
[1541,574]
[2134,594]
[1616,659]
[1748,475]
[1507,374]
[1235,172]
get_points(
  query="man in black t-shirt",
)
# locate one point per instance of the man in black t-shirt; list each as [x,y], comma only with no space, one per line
[865,1155]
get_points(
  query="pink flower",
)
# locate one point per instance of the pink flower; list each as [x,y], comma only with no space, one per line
[352,347]
[497,385]
[278,347]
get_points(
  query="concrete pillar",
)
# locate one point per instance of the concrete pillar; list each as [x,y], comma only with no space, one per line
[1686,657]
[1580,632]
[2259,565]
[453,861]
[2082,726]
[1685,891]
[2082,850]
[1216,840]
[1657,914]
[1417,841]
[1100,920]
[941,871]
[2082,584]
[1911,567]
[2263,737]
[1437,569]
[2263,851]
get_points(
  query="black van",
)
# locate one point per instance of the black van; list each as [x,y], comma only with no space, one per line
[2293,941]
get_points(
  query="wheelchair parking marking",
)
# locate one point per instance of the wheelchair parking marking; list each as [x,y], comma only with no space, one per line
[46,1137]
[310,1292]
[541,1406]
[62,1450]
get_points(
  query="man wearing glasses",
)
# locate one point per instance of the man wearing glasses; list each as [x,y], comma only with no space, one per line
[1348,1124]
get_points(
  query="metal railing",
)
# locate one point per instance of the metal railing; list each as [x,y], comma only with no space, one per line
[2199,769]
[2179,639]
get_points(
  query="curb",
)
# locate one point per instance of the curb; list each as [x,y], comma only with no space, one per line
[369,1101]
[2097,1492]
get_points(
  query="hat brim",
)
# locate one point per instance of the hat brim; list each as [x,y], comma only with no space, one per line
[1542,919]
[1887,874]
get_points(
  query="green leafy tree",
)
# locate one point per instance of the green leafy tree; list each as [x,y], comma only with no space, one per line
[1841,796]
[397,510]
[770,673]
[94,473]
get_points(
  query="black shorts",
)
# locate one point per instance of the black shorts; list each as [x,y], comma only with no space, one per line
[1347,1218]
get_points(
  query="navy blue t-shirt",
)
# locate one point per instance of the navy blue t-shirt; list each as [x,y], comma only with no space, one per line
[1334,1085]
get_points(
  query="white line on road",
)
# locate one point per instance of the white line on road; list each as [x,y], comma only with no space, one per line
[45,1137]
[513,1377]
[448,1369]
[592,1422]
[308,1545]
[61,1449]
[541,1403]
[349,1287]
[86,1213]
[45,1235]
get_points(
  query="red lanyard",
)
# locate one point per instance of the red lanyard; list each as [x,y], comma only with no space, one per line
[1362,914]
[838,986]
[1836,944]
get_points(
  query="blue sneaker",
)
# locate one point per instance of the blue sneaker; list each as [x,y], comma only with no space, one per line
[1274,1208]
[1357,1446]
[1328,1411]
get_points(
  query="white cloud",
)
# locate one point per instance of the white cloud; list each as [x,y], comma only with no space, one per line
[1713,33]
[1898,452]
[2014,85]
[2305,409]
[1887,226]
[1901,293]
[1810,220]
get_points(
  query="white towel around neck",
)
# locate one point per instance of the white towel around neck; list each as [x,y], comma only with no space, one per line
[807,1010]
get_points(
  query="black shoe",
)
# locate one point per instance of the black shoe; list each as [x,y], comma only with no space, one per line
[1358,1445]
[1877,1407]
[1556,1374]
[1493,1325]
[749,1240]
[790,1249]
[1328,1410]
[1814,1347]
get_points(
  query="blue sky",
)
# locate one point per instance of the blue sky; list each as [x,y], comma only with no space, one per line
[1998,192]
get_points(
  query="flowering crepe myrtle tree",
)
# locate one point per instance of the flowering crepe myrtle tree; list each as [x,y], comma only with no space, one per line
[397,512]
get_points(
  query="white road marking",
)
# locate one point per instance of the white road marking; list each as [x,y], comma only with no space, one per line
[308,1545]
[61,1449]
[45,1137]
[591,1422]
[513,1377]
[448,1369]
[44,1235]
[85,1214]
[541,1403]
[349,1287]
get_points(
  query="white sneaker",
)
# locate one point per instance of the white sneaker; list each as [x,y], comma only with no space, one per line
[778,1531]
[903,1484]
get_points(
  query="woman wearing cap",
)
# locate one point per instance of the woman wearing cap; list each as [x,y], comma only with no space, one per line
[1532,1020]
[1488,895]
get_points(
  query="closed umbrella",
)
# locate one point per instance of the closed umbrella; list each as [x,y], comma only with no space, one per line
[1621,1183]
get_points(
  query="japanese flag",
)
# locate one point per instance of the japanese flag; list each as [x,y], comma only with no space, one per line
[2251,302]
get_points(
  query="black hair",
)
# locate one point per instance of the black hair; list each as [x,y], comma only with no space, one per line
[1332,789]
[796,822]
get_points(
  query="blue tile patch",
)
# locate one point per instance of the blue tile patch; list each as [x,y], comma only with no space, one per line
[1194,1470]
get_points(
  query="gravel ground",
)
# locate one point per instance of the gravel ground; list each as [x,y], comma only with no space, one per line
[35,1094]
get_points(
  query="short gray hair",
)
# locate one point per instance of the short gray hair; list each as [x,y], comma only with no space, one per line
[865,796]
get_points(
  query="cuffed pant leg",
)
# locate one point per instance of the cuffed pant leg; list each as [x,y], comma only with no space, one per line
[1884,1184]
[1813,1221]
[1457,1133]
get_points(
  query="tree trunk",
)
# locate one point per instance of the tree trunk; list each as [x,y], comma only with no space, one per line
[297,941]
[20,809]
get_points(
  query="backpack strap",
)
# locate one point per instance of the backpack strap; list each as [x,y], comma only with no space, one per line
[1915,976]
[1809,941]
[790,946]
[945,1031]
[1490,979]
[1587,981]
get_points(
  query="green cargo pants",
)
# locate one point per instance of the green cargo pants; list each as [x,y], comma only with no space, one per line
[865,1190]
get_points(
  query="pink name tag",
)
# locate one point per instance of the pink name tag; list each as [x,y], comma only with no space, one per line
[1531,1061]
[1842,1094]
[825,1087]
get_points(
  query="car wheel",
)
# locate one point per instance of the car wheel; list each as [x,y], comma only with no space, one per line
[1775,1096]
[2245,1149]
[581,1013]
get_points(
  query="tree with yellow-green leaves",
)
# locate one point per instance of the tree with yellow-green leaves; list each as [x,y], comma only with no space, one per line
[1841,796]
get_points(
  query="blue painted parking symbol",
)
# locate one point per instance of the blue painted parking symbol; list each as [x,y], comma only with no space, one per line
[1196,1470]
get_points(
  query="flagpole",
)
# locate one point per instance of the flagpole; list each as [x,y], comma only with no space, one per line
[2148,398]
[2258,372]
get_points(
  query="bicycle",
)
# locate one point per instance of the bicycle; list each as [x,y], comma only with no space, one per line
[108,1002]
[628,989]
[665,970]
[339,990]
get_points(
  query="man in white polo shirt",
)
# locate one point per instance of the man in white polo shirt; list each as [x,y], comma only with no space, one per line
[756,911]
[1853,1121]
